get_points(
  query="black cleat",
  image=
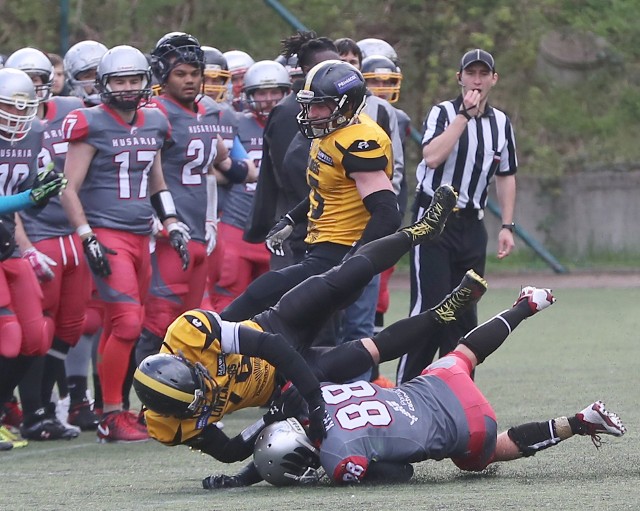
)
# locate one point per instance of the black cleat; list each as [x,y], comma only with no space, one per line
[44,425]
[468,292]
[432,222]
[82,416]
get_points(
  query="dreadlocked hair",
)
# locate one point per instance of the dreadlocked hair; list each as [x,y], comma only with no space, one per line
[304,44]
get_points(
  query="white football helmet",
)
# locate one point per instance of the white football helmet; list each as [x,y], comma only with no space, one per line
[18,104]
[284,455]
[34,63]
[266,74]
[238,61]
[124,60]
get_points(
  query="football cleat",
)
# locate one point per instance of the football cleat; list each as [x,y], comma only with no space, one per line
[11,413]
[44,425]
[432,222]
[82,416]
[538,298]
[5,446]
[469,291]
[7,436]
[120,427]
[597,420]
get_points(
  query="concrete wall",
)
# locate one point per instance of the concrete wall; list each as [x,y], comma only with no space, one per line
[580,214]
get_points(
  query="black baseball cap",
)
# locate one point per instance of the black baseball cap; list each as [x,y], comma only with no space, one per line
[478,55]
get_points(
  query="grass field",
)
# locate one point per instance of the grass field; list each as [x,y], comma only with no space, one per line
[583,348]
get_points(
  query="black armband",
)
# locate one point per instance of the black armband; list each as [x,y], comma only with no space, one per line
[299,213]
[385,215]
[238,171]
[214,442]
[162,203]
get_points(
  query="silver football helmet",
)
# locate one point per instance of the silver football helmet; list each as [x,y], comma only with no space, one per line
[284,455]
[18,104]
[35,64]
[81,57]
[373,46]
[266,74]
[238,61]
[123,61]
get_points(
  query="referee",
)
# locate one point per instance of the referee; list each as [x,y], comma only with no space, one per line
[467,143]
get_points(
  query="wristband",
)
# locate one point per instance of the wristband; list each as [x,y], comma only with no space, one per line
[465,114]
[84,230]
[509,227]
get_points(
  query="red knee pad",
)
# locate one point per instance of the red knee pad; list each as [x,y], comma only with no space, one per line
[10,337]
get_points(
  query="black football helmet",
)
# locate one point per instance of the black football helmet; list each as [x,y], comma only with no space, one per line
[172,385]
[379,67]
[337,84]
[173,49]
[216,67]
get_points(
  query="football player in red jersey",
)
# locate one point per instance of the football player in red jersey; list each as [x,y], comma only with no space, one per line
[25,333]
[49,244]
[115,185]
[375,434]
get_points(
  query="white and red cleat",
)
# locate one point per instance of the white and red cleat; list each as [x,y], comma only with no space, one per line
[538,298]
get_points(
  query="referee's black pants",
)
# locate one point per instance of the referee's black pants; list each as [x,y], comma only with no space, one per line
[437,268]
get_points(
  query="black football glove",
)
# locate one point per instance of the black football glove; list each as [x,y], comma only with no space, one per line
[216,482]
[179,238]
[278,233]
[319,420]
[96,254]
[289,404]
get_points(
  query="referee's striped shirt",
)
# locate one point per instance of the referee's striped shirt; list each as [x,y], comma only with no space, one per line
[487,147]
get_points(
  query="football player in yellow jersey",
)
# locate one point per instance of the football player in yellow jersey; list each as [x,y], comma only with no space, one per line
[209,366]
[351,200]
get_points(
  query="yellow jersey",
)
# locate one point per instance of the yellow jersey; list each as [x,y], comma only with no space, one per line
[337,213]
[242,381]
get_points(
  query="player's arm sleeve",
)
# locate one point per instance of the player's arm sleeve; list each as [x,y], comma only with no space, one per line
[385,215]
[263,208]
[214,442]
[17,202]
[274,348]
[299,213]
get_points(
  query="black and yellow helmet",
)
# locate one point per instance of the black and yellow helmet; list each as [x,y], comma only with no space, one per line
[172,385]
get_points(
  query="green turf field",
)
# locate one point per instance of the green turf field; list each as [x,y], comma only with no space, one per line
[584,348]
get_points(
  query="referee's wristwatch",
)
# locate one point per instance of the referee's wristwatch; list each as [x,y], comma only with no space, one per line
[509,227]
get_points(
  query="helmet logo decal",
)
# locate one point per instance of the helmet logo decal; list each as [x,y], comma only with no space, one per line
[347,83]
